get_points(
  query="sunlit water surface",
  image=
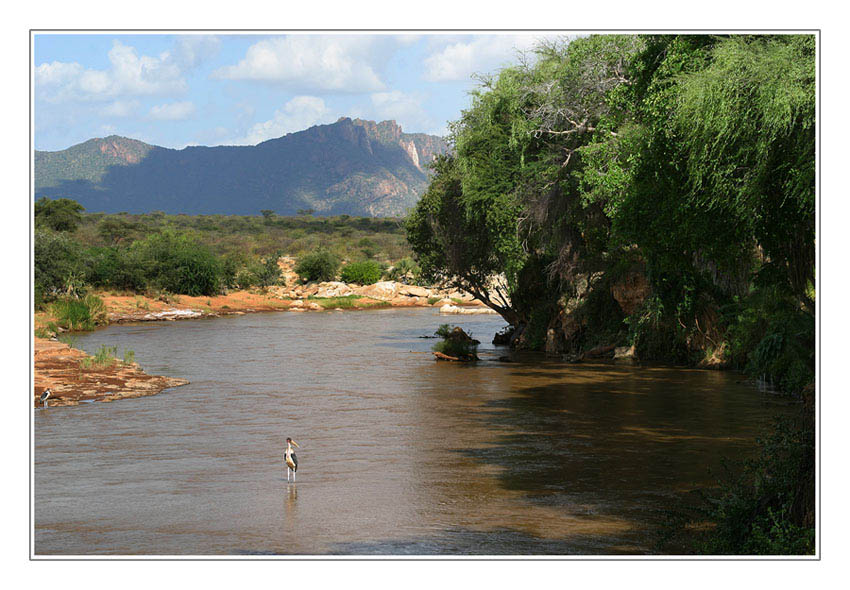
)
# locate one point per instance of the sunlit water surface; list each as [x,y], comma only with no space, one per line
[399,454]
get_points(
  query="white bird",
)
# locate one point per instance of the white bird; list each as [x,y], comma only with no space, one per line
[291,459]
[44,396]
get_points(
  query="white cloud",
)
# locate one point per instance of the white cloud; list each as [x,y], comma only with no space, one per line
[405,109]
[191,50]
[299,113]
[462,58]
[121,108]
[311,63]
[129,74]
[174,111]
[56,73]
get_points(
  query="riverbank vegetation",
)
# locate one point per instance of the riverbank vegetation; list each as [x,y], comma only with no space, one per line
[197,255]
[656,192]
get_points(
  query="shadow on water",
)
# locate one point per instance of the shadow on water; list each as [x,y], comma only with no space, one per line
[403,455]
[630,444]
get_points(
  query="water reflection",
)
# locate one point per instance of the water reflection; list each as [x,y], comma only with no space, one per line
[405,455]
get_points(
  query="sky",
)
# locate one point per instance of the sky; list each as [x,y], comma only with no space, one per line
[241,89]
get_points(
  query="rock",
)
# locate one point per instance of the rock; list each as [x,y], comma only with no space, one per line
[333,289]
[503,336]
[173,314]
[314,306]
[625,354]
[309,290]
[296,304]
[599,352]
[552,347]
[631,291]
[414,291]
[454,309]
[383,290]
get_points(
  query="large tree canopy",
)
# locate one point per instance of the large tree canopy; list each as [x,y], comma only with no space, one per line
[692,155]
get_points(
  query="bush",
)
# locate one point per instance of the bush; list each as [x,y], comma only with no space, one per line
[317,266]
[55,258]
[267,272]
[771,337]
[769,509]
[179,264]
[115,268]
[405,270]
[455,343]
[365,272]
[79,314]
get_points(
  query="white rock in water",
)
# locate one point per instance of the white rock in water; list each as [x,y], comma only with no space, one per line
[454,309]
[173,314]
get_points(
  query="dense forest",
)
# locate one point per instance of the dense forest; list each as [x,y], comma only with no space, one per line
[656,192]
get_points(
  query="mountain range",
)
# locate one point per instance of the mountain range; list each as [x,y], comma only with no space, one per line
[352,167]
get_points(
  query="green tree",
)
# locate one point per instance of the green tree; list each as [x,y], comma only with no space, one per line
[317,266]
[179,264]
[56,257]
[58,214]
[453,244]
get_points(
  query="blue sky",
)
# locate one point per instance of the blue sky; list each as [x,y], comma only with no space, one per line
[198,89]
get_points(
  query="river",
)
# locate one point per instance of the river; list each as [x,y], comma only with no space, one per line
[399,454]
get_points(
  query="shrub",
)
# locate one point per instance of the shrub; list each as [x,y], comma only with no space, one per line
[365,272]
[180,264]
[116,268]
[405,270]
[317,266]
[455,343]
[55,258]
[79,314]
[769,508]
[769,336]
[267,272]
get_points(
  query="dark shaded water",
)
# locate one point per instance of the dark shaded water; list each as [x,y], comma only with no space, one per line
[399,454]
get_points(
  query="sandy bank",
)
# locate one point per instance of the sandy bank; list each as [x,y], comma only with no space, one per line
[330,296]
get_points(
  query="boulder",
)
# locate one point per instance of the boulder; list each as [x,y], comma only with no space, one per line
[503,336]
[414,291]
[383,290]
[625,354]
[333,289]
[309,290]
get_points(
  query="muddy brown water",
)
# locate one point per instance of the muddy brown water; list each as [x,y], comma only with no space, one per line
[399,454]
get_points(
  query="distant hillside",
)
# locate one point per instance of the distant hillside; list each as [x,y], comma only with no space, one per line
[352,167]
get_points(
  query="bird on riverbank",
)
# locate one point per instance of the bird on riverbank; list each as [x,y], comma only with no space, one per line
[291,459]
[44,396]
